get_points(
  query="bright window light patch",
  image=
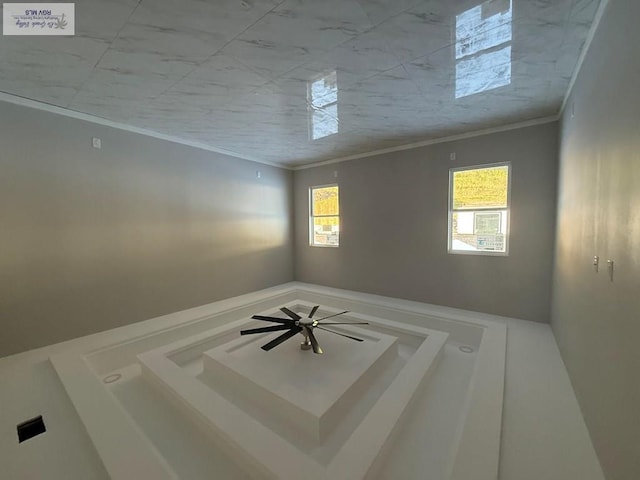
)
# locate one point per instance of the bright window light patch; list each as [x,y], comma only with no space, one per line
[324,216]
[322,99]
[483,47]
[479,209]
[483,72]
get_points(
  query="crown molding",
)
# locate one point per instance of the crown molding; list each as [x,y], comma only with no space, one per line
[425,143]
[46,107]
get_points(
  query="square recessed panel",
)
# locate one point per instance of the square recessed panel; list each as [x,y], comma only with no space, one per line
[309,392]
[239,363]
[200,421]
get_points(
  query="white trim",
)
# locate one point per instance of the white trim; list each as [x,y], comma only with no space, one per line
[507,211]
[585,48]
[25,102]
[113,434]
[312,216]
[222,419]
[425,143]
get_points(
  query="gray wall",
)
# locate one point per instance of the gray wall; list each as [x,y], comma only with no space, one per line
[394,226]
[596,321]
[93,239]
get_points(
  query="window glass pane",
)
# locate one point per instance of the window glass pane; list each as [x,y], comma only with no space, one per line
[479,231]
[479,214]
[464,222]
[326,230]
[481,188]
[325,201]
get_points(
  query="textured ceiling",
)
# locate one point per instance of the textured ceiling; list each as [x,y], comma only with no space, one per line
[300,81]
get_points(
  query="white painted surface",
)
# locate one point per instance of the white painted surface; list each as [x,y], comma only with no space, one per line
[308,390]
[121,445]
[253,444]
[543,435]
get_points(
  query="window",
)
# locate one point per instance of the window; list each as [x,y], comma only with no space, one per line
[479,209]
[324,218]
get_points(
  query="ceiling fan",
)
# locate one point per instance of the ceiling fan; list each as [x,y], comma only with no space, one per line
[297,324]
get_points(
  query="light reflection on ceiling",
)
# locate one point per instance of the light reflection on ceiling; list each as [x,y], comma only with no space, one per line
[483,48]
[294,82]
[323,106]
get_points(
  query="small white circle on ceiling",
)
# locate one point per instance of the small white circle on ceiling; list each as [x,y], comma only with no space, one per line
[466,349]
[112,378]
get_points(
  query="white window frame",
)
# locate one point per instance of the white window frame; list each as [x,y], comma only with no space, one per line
[507,211]
[311,217]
